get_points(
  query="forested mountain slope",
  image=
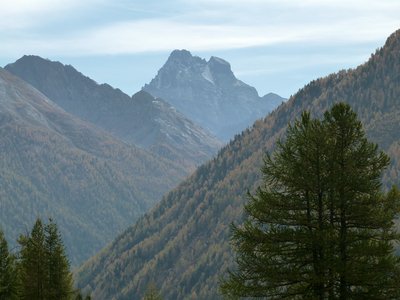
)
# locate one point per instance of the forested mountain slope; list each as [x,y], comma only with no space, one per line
[183,243]
[209,93]
[140,120]
[54,165]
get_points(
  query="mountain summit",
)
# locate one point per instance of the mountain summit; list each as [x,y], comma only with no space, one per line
[140,120]
[209,93]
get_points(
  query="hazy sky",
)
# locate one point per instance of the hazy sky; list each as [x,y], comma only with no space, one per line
[274,45]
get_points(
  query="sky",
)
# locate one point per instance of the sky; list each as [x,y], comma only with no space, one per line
[274,45]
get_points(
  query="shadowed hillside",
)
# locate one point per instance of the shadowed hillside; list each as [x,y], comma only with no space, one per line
[140,120]
[54,165]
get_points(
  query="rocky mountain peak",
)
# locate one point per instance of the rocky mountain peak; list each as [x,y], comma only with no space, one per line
[180,54]
[221,70]
[209,93]
[34,60]
[183,58]
[143,95]
[140,120]
[219,63]
[30,58]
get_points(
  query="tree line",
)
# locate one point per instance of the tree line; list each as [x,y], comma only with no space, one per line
[40,270]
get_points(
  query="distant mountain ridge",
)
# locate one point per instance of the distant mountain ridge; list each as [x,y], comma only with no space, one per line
[182,245]
[209,93]
[55,165]
[140,120]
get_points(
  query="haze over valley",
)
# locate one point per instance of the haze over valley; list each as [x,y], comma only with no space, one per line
[170,151]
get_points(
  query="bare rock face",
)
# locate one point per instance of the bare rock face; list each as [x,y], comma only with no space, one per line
[209,93]
[141,119]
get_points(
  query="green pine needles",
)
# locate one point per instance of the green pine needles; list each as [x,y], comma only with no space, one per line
[9,279]
[44,267]
[40,271]
[321,227]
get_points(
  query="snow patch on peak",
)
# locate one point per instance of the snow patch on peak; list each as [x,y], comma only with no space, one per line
[207,75]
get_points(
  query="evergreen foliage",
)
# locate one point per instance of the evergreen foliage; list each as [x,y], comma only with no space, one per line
[320,228]
[44,267]
[59,277]
[9,281]
[40,270]
[33,263]
[152,293]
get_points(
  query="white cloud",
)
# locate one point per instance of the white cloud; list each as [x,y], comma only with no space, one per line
[335,4]
[162,35]
[291,63]
[24,14]
[234,24]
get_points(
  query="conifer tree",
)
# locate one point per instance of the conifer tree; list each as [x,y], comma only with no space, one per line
[320,228]
[44,265]
[33,263]
[59,278]
[9,284]
[361,216]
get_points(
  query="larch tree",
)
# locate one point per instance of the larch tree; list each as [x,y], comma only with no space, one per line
[321,227]
[361,215]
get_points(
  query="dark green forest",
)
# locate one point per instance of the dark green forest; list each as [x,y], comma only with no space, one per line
[182,245]
[40,269]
